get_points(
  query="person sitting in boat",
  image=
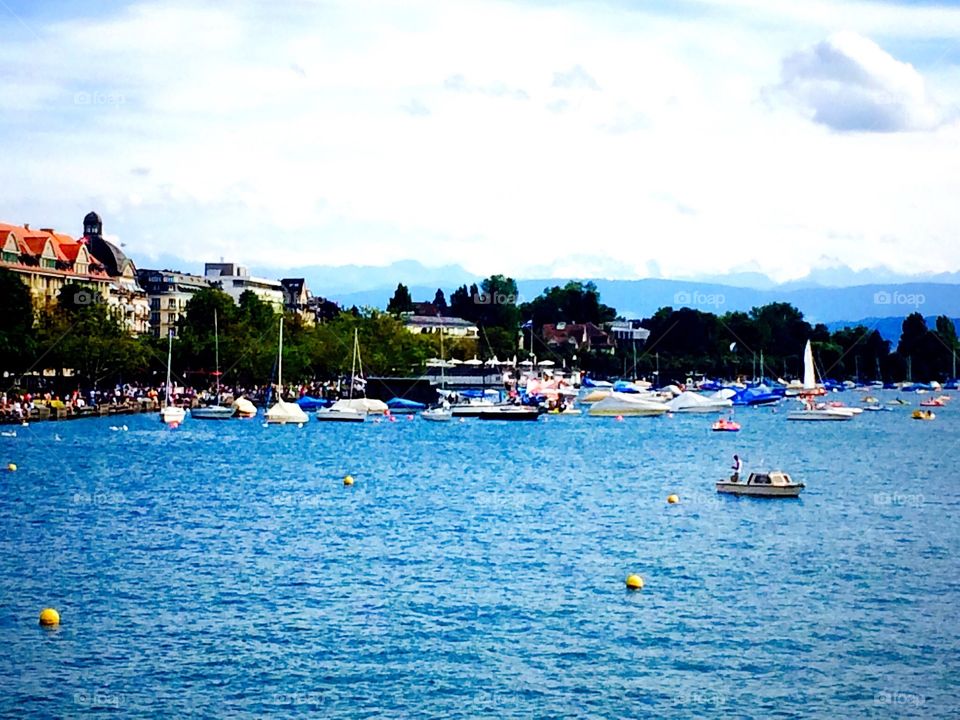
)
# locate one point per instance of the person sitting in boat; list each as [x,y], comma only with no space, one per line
[737,469]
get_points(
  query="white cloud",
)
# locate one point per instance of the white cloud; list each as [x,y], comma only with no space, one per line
[506,136]
[848,82]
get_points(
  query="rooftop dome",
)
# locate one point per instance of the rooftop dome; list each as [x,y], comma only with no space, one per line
[108,254]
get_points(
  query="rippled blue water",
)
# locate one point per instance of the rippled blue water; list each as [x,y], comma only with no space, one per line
[477,569]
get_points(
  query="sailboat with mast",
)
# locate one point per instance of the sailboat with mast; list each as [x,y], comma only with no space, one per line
[348,410]
[215,411]
[170,413]
[443,413]
[812,411]
[283,413]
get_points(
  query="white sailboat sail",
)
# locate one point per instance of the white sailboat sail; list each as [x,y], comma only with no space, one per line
[809,378]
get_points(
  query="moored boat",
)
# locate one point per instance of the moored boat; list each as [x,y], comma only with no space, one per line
[216,411]
[621,404]
[725,425]
[284,413]
[170,414]
[511,412]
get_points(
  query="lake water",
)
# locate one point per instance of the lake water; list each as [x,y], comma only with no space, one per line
[477,569]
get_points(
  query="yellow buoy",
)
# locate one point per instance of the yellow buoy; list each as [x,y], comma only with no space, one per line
[49,616]
[348,480]
[673,499]
[12,467]
[634,582]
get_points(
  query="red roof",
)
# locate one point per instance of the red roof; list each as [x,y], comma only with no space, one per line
[32,242]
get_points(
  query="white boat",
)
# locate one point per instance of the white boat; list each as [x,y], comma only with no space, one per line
[284,413]
[244,408]
[340,414]
[218,411]
[472,407]
[352,409]
[443,412]
[821,412]
[212,412]
[625,404]
[772,484]
[437,414]
[691,402]
[170,414]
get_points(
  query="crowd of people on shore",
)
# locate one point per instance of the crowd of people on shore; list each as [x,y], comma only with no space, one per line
[19,406]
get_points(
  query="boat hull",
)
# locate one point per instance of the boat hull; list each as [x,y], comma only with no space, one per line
[445,416]
[172,414]
[512,415]
[328,415]
[818,415]
[732,488]
[213,412]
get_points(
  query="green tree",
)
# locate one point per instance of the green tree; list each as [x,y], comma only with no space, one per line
[196,346]
[440,302]
[575,302]
[17,335]
[401,302]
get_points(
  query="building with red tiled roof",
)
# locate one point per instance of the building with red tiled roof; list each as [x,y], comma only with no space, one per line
[47,260]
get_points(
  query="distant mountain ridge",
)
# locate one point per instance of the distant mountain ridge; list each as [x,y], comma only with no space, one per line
[837,296]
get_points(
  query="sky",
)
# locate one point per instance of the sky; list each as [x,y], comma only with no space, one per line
[538,139]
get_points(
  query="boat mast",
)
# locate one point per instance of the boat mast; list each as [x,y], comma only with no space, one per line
[353,363]
[216,352]
[166,399]
[280,363]
[443,377]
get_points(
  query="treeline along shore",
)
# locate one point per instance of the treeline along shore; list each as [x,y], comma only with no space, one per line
[75,346]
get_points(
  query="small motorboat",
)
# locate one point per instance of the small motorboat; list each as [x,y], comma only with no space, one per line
[724,425]
[935,402]
[923,415]
[472,407]
[771,484]
[822,412]
[511,412]
[344,413]
[437,414]
[213,412]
